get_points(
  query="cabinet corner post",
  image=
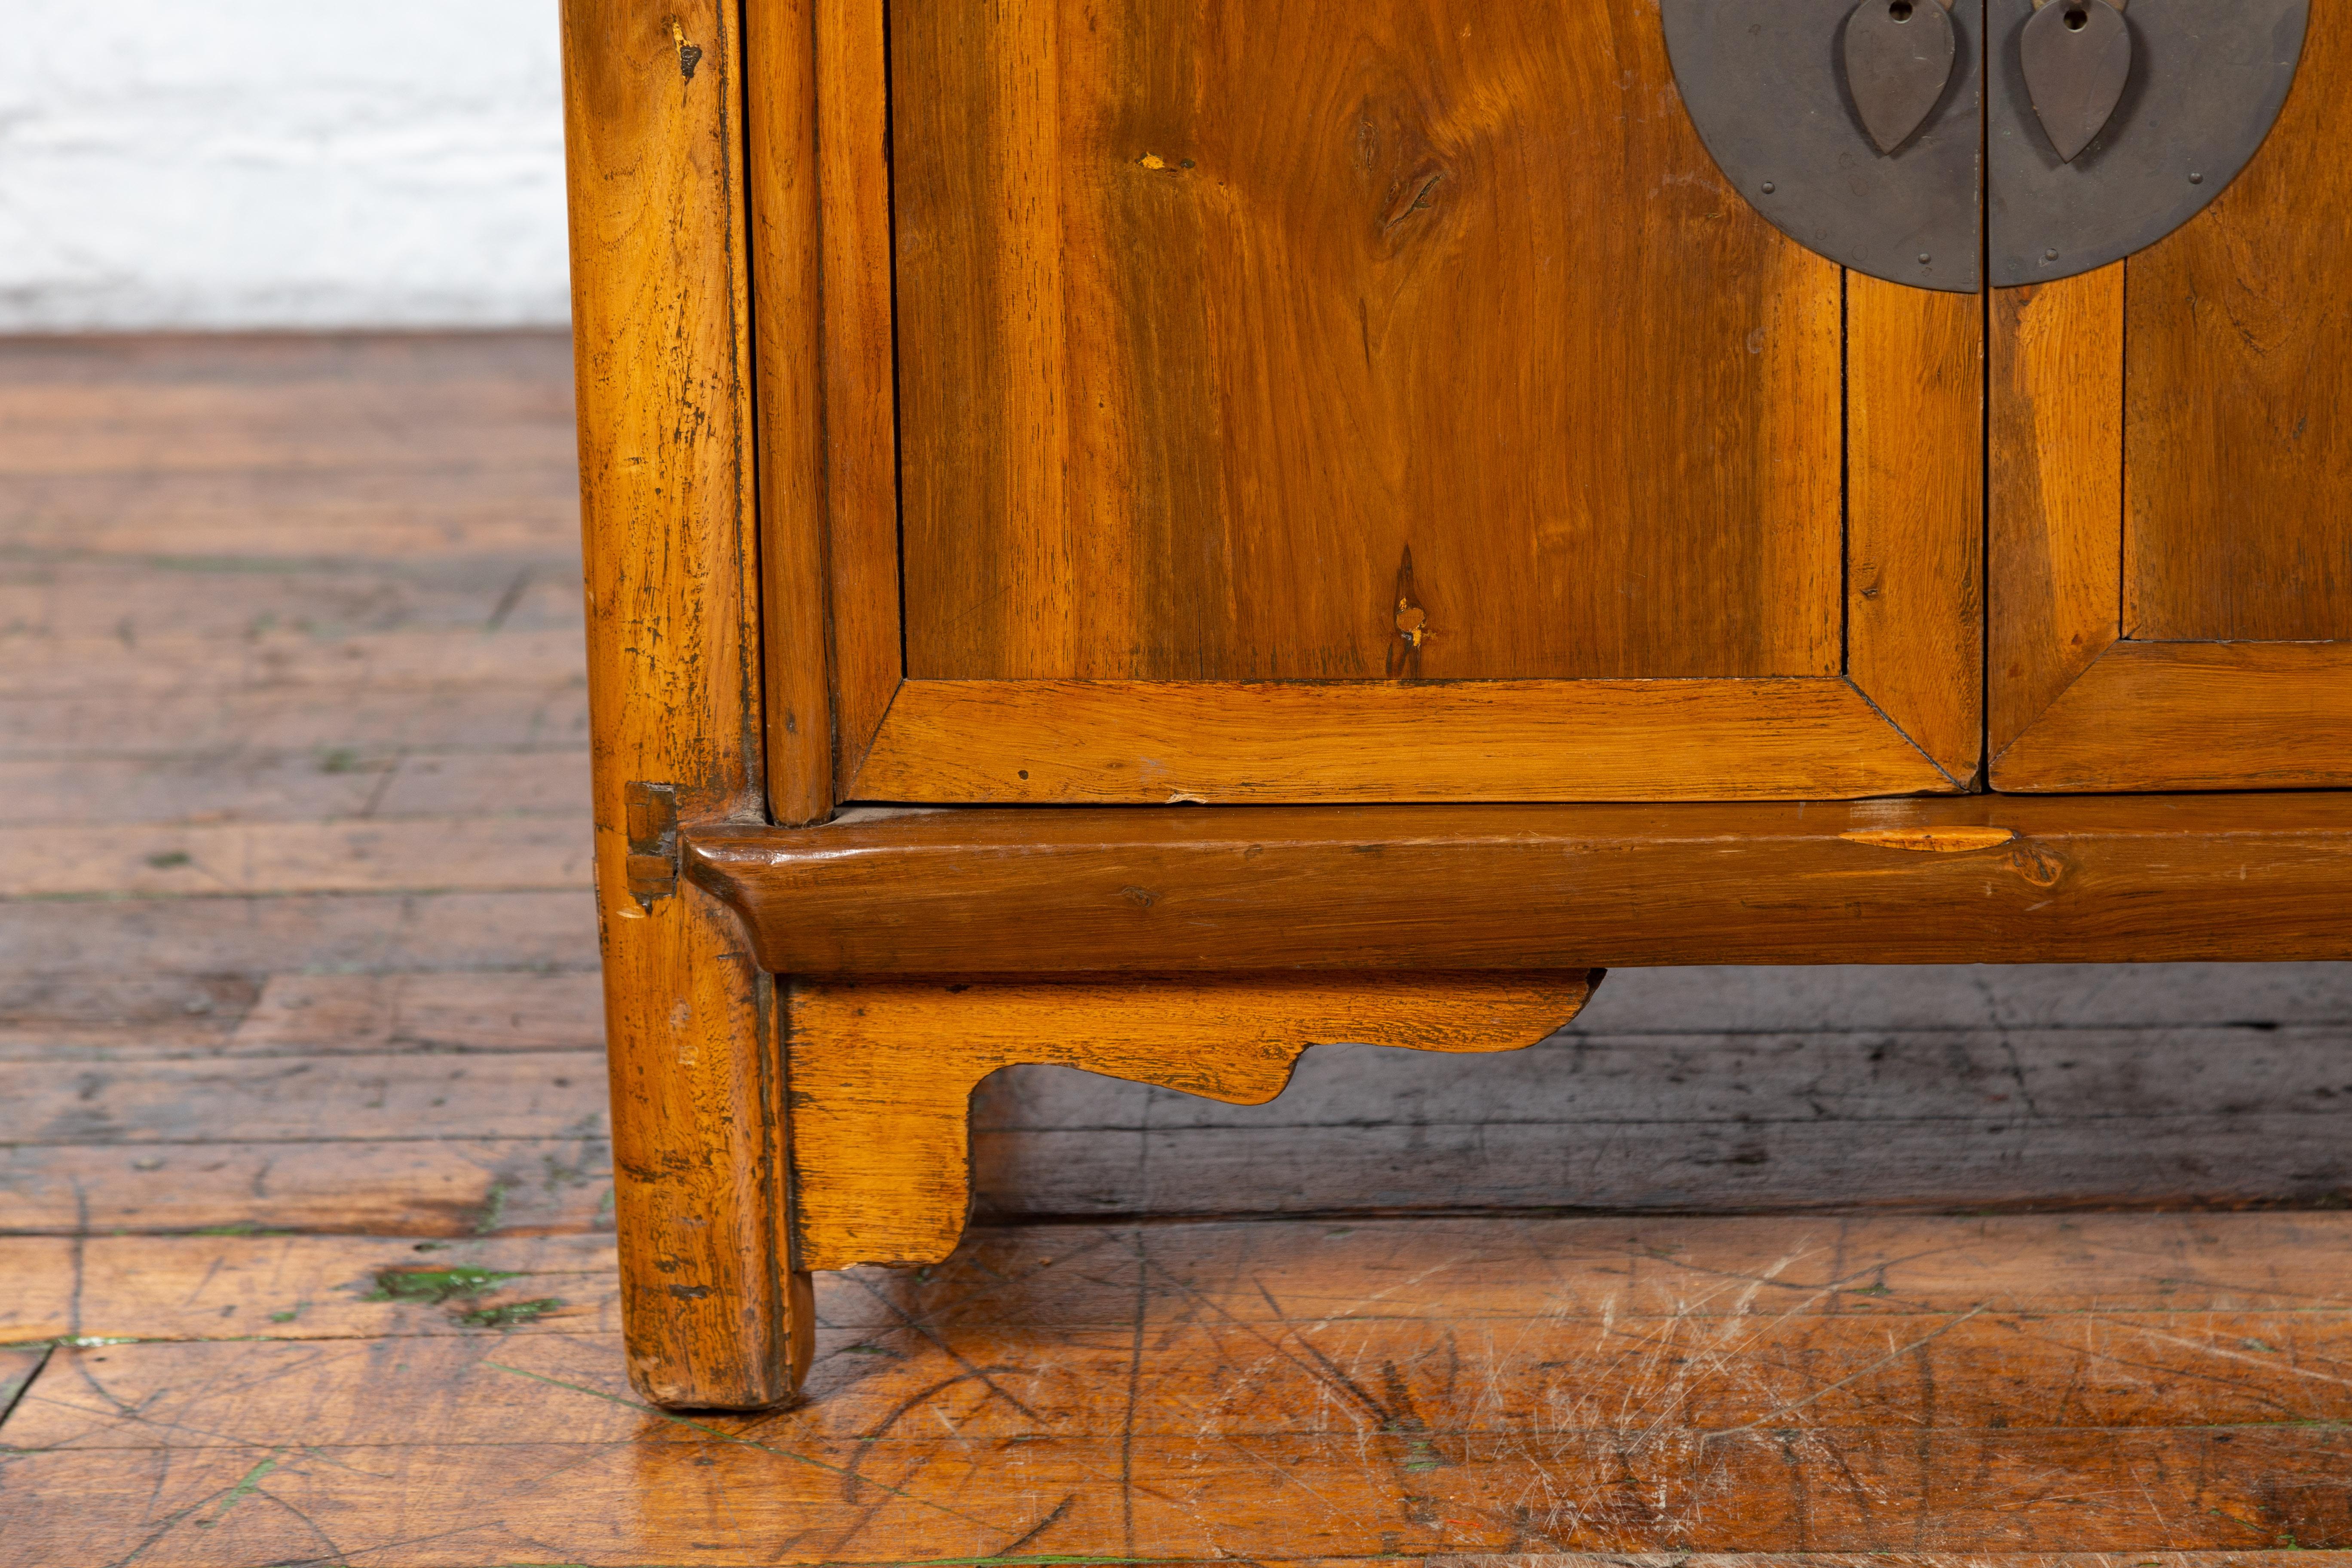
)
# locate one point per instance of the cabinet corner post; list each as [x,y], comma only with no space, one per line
[661,314]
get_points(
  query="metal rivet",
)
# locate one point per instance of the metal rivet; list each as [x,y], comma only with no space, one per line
[2049,256]
[2196,179]
[1770,187]
[1925,260]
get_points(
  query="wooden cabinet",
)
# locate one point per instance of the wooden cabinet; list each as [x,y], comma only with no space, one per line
[1148,534]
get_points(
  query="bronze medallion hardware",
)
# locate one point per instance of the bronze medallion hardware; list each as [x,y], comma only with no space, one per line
[2078,55]
[1799,102]
[1899,56]
[2206,81]
[1897,136]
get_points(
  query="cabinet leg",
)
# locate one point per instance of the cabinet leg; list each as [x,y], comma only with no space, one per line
[882,1072]
[655,136]
[711,1312]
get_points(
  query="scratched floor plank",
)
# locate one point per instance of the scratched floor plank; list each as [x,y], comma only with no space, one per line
[1270,1392]
[312,783]
[2067,1271]
[501,1011]
[420,1186]
[393,932]
[1434,1377]
[2289,1559]
[161,1290]
[298,1098]
[1461,1269]
[1207,1495]
[17,1366]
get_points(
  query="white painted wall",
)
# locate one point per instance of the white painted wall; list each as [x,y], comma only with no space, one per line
[223,163]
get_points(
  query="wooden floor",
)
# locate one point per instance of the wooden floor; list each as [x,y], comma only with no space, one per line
[304,1189]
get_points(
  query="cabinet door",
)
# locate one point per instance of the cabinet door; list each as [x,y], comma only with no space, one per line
[1361,400]
[2172,489]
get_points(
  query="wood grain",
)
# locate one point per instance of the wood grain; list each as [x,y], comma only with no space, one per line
[292,658]
[404,931]
[392,514]
[154,1289]
[289,718]
[1396,1160]
[2178,502]
[1914,514]
[1703,1372]
[472,853]
[861,389]
[2138,1320]
[1624,1114]
[779,117]
[653,129]
[63,1015]
[2196,716]
[1208,315]
[882,1073]
[302,785]
[2056,511]
[430,1188]
[2129,1389]
[360,1013]
[18,1366]
[1206,742]
[2240,374]
[2110,880]
[360,409]
[728,1503]
[519,1094]
[92,594]
[1888,1267]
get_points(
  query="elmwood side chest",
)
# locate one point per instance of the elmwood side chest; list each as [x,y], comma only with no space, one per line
[1149,533]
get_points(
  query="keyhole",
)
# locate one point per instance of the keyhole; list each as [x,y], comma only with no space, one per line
[2077,18]
[1900,10]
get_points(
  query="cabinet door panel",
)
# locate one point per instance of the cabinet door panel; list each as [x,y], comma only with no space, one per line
[2172,521]
[1213,311]
[1386,342]
[2238,394]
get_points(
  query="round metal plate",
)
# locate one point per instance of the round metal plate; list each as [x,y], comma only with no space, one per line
[2208,80]
[1763,82]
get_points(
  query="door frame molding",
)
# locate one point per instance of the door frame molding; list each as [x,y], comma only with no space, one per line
[1902,714]
[2075,705]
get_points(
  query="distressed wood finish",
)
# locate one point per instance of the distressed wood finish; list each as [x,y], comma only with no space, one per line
[779,107]
[653,122]
[1921,1392]
[1614,1118]
[883,1072]
[1316,407]
[1915,515]
[2239,388]
[861,393]
[308,1288]
[1211,314]
[1209,743]
[2057,357]
[2060,1381]
[2171,589]
[1981,879]
[1218,372]
[2038,1374]
[2197,715]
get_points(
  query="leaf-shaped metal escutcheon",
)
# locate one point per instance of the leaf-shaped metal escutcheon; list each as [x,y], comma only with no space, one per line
[2077,58]
[1899,56]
